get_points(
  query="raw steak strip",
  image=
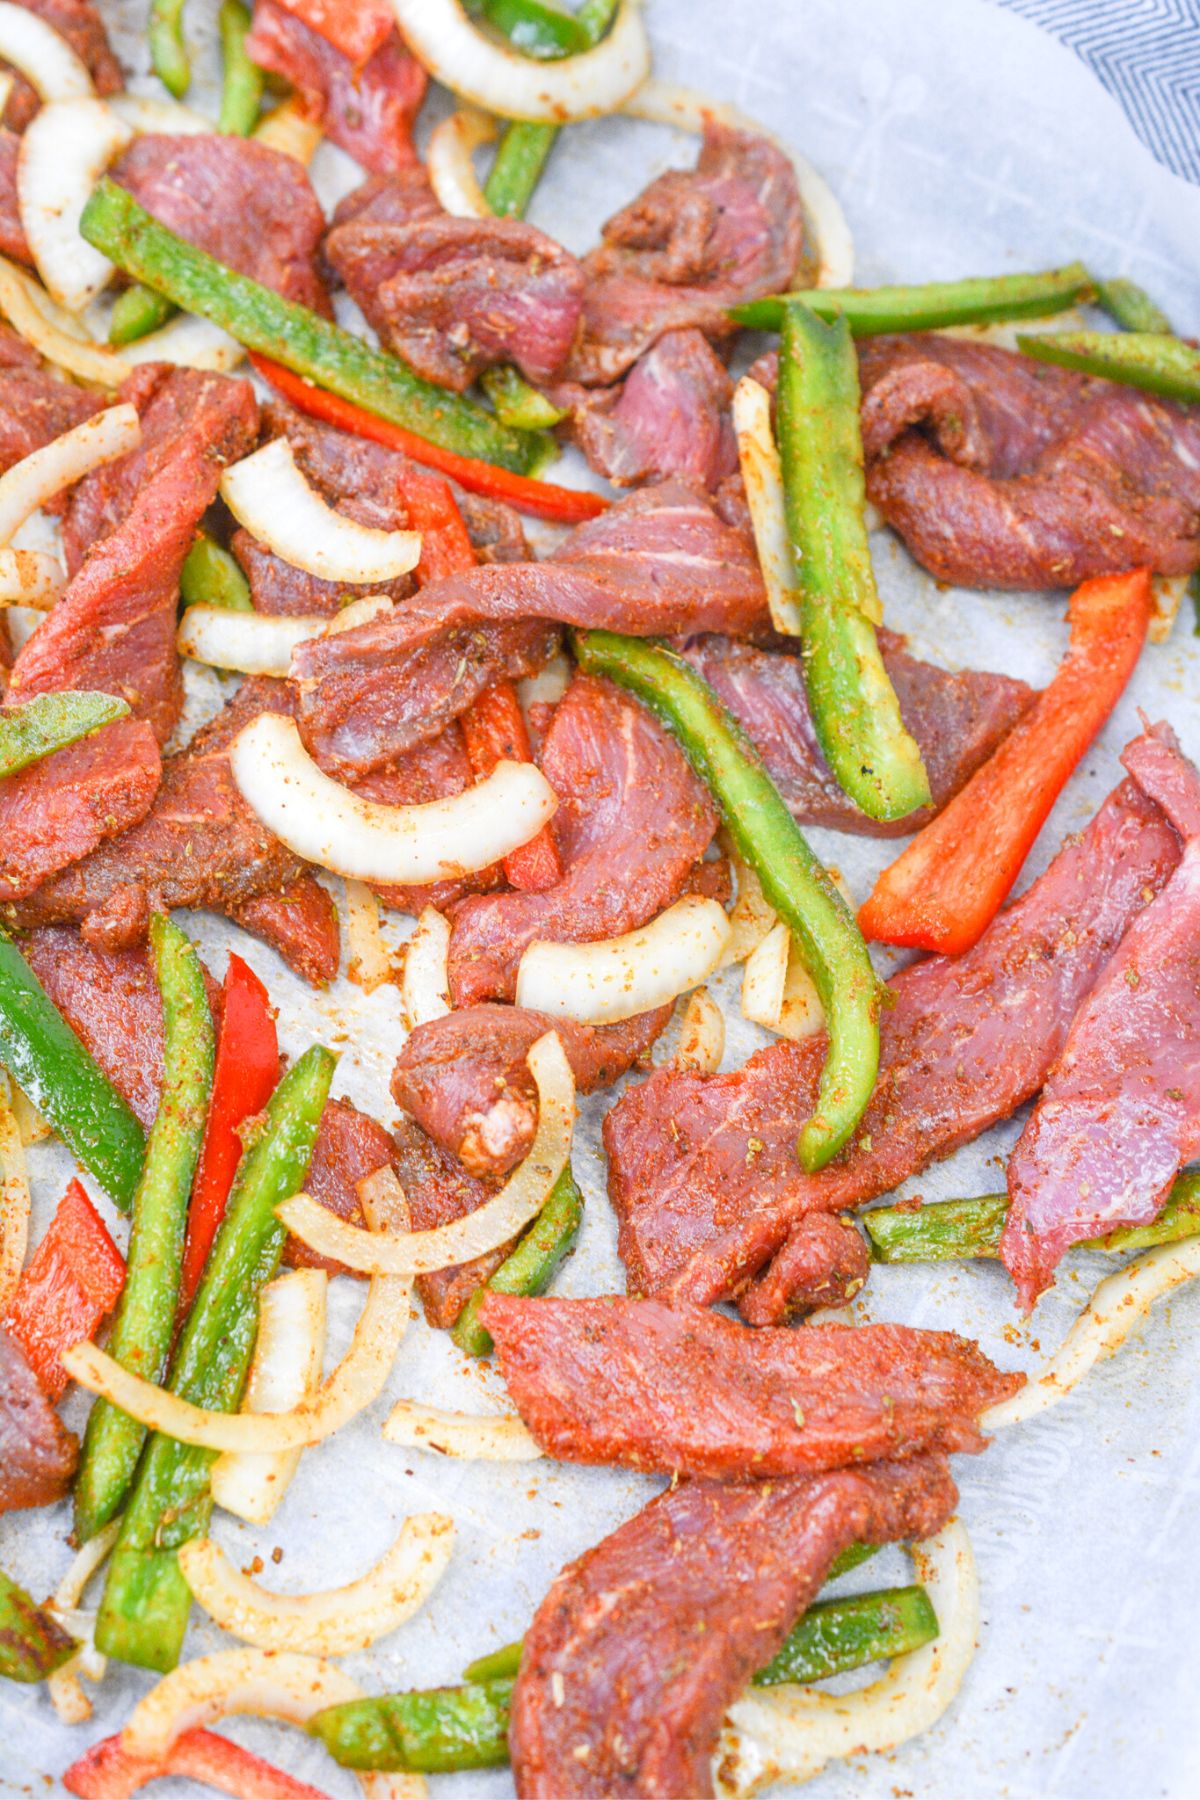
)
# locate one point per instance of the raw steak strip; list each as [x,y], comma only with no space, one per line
[669,418]
[37,1453]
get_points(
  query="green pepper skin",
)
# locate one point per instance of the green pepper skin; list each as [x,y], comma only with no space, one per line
[794,882]
[136,313]
[1131,306]
[50,721]
[930,305]
[168,52]
[301,340]
[61,1078]
[533,28]
[32,1643]
[525,147]
[242,80]
[948,1229]
[518,404]
[844,1634]
[1152,360]
[212,576]
[145,1319]
[532,1266]
[144,1611]
[854,708]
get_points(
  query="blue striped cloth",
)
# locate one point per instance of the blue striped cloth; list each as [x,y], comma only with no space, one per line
[1147,54]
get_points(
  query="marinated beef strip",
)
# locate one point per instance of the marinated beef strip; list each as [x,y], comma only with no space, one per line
[248,205]
[199,846]
[660,560]
[81,25]
[703,1171]
[55,812]
[37,1452]
[998,471]
[36,405]
[350,1146]
[668,418]
[13,242]
[300,924]
[632,822]
[367,111]
[1119,1114]
[822,1262]
[463,1078]
[435,770]
[641,1645]
[958,720]
[439,1190]
[693,243]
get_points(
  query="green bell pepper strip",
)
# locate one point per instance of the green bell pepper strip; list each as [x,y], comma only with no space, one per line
[792,879]
[241,80]
[32,1643]
[949,1229]
[1131,306]
[145,1318]
[136,313]
[168,52]
[290,334]
[525,147]
[439,1730]
[212,576]
[50,721]
[532,1266]
[1153,360]
[533,27]
[518,404]
[64,1082]
[144,1611]
[854,708]
[929,305]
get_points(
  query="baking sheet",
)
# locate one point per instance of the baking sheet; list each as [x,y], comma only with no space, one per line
[960,139]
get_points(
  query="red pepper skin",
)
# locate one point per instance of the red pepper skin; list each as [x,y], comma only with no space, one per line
[247,1069]
[495,731]
[109,1772]
[541,498]
[72,1281]
[948,885]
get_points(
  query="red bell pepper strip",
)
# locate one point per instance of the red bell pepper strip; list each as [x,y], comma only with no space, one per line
[357,30]
[432,510]
[72,1282]
[247,1069]
[542,498]
[948,885]
[109,1772]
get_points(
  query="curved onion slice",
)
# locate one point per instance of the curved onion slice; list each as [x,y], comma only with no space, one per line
[789,1733]
[147,114]
[618,977]
[548,686]
[1120,1303]
[763,478]
[498,1219]
[667,103]
[289,1350]
[33,1128]
[14,1200]
[267,493]
[289,129]
[751,917]
[190,342]
[777,989]
[66,1692]
[45,59]
[501,80]
[249,642]
[57,465]
[1166,597]
[264,1683]
[52,332]
[337,1620]
[451,171]
[30,578]
[368,960]
[498,1438]
[425,984]
[64,152]
[402,846]
[701,1035]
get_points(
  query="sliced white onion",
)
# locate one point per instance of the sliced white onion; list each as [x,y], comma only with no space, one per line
[473,1436]
[289,129]
[751,916]
[548,686]
[1119,1304]
[616,978]
[65,1688]
[494,1223]
[267,493]
[52,331]
[337,1620]
[763,478]
[33,1128]
[15,1203]
[425,984]
[764,978]
[701,1035]
[149,114]
[451,170]
[801,1015]
[1166,597]
[7,84]
[789,1733]
[368,960]
[44,58]
[667,103]
[358,612]
[44,473]
[251,643]
[501,80]
[326,824]
[289,1353]
[191,343]
[30,578]
[64,152]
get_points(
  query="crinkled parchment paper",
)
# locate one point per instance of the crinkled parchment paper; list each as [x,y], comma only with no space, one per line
[960,140]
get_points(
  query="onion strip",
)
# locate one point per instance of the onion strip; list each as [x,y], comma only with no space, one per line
[336,1620]
[250,643]
[751,917]
[44,473]
[616,978]
[765,976]
[30,578]
[368,961]
[502,1437]
[14,1200]
[289,129]
[267,493]
[763,479]
[66,1692]
[494,1223]
[448,161]
[52,332]
[1166,597]
[64,152]
[701,1035]
[42,55]
[190,342]
[425,984]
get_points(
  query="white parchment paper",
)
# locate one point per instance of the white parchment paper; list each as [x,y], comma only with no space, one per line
[960,140]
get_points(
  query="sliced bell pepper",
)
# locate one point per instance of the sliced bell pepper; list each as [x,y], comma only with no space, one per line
[110,1772]
[947,886]
[70,1284]
[1154,360]
[541,498]
[32,1642]
[247,1069]
[241,79]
